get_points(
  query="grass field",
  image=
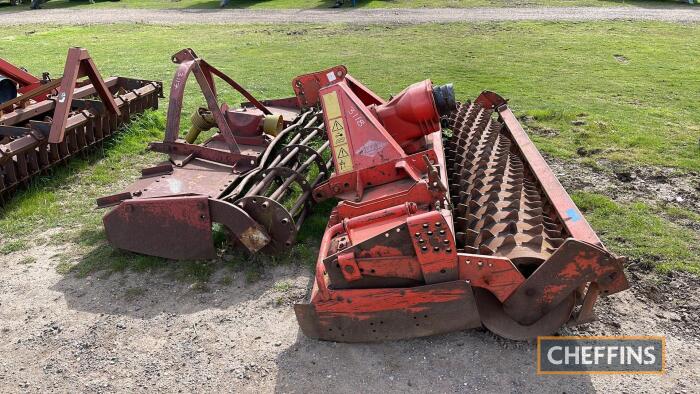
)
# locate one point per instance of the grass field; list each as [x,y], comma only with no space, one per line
[308,4]
[635,84]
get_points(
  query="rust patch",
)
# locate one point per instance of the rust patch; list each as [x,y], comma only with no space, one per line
[254,239]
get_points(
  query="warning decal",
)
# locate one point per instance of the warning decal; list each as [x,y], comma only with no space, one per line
[339,140]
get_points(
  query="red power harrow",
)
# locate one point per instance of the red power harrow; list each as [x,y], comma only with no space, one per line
[432,233]
[436,235]
[44,122]
[254,176]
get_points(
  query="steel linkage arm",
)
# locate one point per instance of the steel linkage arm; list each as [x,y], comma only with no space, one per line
[78,64]
[204,73]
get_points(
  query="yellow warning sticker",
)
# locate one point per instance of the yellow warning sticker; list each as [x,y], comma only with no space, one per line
[341,149]
[339,139]
[338,132]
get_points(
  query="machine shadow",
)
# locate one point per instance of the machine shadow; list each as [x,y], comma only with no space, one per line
[465,361]
[147,286]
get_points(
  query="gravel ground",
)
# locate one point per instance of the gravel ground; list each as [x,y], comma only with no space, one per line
[131,332]
[360,16]
[138,332]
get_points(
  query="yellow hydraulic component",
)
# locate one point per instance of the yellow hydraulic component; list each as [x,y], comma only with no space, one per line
[272,124]
[202,120]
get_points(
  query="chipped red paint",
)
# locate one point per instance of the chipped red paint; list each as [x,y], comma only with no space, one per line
[137,225]
[495,274]
[418,193]
[347,186]
[434,246]
[393,267]
[550,292]
[306,87]
[573,265]
[361,302]
[78,64]
[450,306]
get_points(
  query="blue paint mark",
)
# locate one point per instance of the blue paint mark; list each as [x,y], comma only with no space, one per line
[573,214]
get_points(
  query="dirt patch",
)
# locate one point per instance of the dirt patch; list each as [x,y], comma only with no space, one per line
[674,300]
[623,184]
[677,296]
[150,332]
[622,59]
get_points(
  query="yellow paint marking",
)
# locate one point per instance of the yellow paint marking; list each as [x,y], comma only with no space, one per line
[332,107]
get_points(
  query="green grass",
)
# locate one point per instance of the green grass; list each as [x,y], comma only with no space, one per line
[282,286]
[569,78]
[324,4]
[51,201]
[12,246]
[676,212]
[636,230]
[639,112]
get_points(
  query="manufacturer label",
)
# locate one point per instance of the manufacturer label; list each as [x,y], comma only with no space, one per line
[371,148]
[339,140]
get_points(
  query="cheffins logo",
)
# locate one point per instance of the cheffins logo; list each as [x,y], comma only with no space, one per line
[604,355]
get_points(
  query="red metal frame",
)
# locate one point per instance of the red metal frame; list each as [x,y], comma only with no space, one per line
[190,63]
[389,255]
[365,153]
[37,134]
[26,81]
[79,64]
